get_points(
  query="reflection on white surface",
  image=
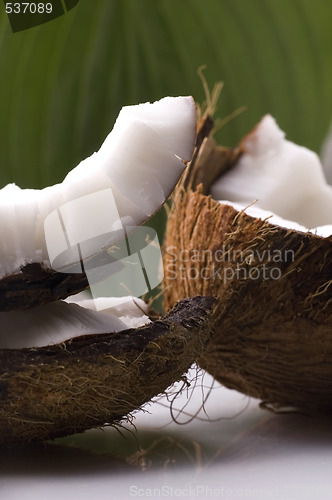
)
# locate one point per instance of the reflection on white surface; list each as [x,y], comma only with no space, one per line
[242,452]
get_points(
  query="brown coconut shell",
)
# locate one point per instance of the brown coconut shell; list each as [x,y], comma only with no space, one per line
[95,380]
[272,333]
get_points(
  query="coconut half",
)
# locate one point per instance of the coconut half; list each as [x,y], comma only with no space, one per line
[97,380]
[71,363]
[272,325]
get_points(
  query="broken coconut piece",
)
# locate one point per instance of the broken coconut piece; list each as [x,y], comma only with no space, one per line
[57,322]
[97,380]
[115,189]
[271,335]
[278,175]
[131,310]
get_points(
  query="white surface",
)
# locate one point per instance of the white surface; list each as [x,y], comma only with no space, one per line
[244,452]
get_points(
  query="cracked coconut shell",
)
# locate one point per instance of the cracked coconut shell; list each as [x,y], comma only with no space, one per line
[272,337]
[96,380]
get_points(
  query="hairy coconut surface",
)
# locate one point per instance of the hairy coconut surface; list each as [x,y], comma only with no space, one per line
[272,324]
[95,380]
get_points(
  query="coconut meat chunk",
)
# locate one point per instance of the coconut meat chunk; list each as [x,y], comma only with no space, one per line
[123,184]
[182,111]
[59,321]
[278,176]
[132,311]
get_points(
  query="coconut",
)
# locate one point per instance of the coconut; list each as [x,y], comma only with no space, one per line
[71,363]
[46,234]
[271,275]
[96,380]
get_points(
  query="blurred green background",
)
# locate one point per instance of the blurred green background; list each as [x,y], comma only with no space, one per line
[63,83]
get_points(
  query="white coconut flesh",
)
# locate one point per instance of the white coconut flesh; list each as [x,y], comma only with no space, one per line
[120,186]
[56,322]
[278,180]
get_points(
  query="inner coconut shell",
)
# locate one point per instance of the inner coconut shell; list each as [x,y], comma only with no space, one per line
[272,325]
[36,284]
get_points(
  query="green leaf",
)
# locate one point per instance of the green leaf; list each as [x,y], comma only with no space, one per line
[63,83]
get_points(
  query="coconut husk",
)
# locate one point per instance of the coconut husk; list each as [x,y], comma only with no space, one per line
[272,333]
[95,380]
